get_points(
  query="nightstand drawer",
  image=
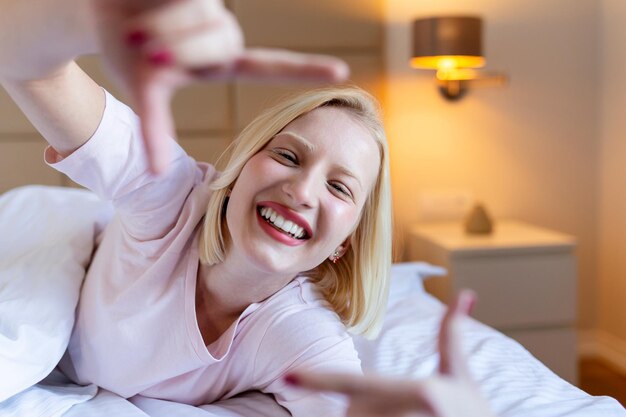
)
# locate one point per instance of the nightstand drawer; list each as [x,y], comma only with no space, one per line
[555,347]
[517,291]
[525,278]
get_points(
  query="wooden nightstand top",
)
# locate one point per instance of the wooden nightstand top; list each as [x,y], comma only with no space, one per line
[508,236]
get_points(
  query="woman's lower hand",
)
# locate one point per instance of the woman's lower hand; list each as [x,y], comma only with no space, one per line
[449,393]
[151,48]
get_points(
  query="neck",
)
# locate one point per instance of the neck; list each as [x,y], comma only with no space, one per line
[228,289]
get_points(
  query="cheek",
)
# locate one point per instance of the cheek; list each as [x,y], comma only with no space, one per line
[255,177]
[239,200]
[259,170]
[248,178]
[341,219]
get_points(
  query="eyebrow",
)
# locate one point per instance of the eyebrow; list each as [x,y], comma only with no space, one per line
[308,145]
[311,147]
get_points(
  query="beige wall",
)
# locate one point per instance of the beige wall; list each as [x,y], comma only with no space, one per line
[612,220]
[528,150]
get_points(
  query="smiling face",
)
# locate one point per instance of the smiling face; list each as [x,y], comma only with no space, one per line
[298,199]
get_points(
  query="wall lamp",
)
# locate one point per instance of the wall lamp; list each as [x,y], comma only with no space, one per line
[452,46]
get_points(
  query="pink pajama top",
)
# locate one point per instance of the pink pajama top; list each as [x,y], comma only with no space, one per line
[136,330]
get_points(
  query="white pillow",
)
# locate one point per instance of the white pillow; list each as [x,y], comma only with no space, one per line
[46,241]
[407,278]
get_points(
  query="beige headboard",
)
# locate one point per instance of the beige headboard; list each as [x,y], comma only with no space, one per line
[209,116]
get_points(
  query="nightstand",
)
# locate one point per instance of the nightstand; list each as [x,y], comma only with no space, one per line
[525,279]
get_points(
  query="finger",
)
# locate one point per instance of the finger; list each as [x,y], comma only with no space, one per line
[373,389]
[157,126]
[341,383]
[452,360]
[202,49]
[136,5]
[172,18]
[281,65]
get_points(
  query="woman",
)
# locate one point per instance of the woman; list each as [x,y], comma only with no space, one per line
[198,291]
[207,285]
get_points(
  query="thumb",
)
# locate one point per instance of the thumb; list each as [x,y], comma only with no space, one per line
[451,359]
[157,125]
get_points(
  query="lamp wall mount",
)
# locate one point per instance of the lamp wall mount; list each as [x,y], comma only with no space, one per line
[452,46]
[454,84]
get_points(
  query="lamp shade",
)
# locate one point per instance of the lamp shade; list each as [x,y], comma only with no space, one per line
[447,43]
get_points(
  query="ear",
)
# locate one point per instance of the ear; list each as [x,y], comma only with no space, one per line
[341,250]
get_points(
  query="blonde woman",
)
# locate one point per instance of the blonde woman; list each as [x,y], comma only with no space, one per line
[207,284]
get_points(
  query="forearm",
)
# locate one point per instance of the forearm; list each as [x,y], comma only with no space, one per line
[40,37]
[66,107]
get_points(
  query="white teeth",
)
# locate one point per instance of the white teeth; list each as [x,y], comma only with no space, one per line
[297,231]
[279,221]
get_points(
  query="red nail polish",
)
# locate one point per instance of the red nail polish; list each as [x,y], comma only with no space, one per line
[470,305]
[161,58]
[292,380]
[136,38]
[467,301]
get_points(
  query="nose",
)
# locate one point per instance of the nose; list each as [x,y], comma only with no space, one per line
[302,189]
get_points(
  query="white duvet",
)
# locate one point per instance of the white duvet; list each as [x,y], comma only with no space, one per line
[46,239]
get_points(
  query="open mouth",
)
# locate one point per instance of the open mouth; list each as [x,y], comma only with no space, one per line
[281,224]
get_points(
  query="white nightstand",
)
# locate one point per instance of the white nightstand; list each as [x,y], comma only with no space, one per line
[525,278]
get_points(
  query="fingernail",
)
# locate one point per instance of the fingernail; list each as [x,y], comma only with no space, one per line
[470,305]
[292,380]
[468,301]
[342,72]
[136,38]
[161,58]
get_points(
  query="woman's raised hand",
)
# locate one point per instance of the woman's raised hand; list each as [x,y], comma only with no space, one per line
[153,47]
[450,393]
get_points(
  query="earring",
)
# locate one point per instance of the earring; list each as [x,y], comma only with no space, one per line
[335,257]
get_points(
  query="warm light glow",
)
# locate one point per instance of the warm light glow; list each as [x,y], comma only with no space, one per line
[457,74]
[448,62]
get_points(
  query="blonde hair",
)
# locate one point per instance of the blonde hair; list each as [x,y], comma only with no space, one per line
[357,286]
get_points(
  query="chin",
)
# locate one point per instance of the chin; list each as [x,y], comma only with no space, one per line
[275,263]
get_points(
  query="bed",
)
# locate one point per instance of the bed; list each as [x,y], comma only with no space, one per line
[47,235]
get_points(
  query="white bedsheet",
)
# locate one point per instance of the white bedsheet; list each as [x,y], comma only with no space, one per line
[515,383]
[45,233]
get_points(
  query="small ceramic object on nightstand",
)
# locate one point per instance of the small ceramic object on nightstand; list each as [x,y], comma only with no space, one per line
[478,221]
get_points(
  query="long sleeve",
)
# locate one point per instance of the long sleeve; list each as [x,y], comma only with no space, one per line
[113,165]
